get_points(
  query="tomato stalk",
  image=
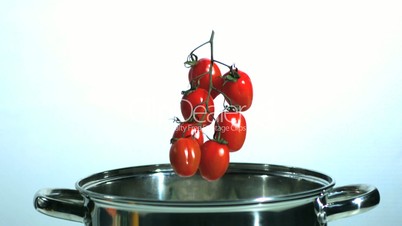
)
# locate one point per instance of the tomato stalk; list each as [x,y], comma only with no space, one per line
[218,138]
[233,76]
[218,135]
[211,44]
[192,60]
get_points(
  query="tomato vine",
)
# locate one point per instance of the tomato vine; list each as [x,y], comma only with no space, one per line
[197,106]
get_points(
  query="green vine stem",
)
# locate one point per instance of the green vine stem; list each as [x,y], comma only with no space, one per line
[232,76]
[211,44]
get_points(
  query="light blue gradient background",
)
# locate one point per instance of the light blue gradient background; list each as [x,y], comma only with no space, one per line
[87,86]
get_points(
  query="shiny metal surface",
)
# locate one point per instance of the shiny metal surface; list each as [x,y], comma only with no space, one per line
[242,184]
[346,201]
[249,194]
[61,203]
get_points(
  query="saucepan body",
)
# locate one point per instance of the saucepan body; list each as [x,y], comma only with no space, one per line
[249,194]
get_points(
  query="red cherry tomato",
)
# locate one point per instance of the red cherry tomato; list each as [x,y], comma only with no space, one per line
[194,107]
[238,92]
[214,160]
[111,211]
[231,127]
[186,129]
[185,156]
[199,75]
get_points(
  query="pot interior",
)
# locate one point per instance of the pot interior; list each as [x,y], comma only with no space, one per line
[243,183]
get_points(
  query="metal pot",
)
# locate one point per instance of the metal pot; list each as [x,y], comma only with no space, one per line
[249,194]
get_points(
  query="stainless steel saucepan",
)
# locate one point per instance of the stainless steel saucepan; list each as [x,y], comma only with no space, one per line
[248,195]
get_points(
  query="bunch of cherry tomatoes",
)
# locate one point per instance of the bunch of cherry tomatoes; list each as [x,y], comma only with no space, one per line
[189,152]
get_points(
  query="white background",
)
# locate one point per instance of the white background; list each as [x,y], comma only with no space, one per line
[88,86]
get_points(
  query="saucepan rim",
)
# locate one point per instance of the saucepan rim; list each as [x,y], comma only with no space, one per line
[326,184]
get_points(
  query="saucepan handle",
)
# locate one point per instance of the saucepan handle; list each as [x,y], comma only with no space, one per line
[66,204]
[346,201]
